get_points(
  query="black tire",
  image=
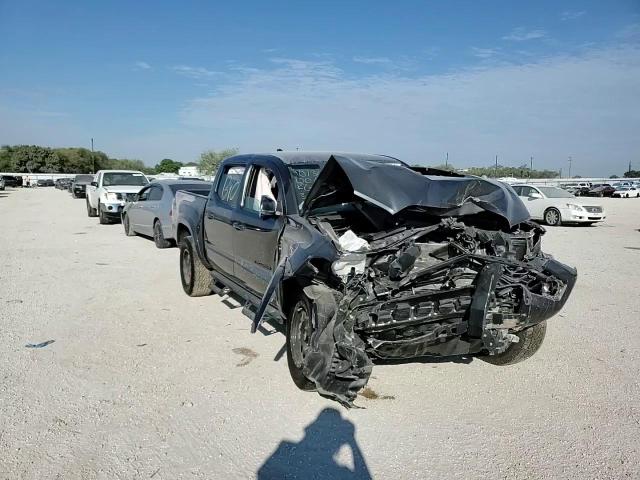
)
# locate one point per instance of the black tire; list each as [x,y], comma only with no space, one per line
[91,212]
[195,277]
[552,217]
[102,216]
[298,336]
[128,229]
[530,342]
[158,236]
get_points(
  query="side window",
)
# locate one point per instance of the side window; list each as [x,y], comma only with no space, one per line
[143,196]
[262,182]
[526,191]
[230,184]
[155,193]
[518,190]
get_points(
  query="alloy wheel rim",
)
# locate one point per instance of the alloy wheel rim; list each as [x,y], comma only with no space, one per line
[552,217]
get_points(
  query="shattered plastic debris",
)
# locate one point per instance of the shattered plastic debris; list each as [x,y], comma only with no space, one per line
[350,242]
[39,345]
[348,264]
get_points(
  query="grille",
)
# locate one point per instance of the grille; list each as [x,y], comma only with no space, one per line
[593,209]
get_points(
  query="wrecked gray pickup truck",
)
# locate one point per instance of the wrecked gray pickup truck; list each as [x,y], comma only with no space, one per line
[366,259]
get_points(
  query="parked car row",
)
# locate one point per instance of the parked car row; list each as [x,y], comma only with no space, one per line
[361,256]
[615,189]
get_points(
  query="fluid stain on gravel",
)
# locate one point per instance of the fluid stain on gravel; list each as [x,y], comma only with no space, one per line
[80,233]
[371,394]
[248,356]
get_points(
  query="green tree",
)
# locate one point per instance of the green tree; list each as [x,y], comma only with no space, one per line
[632,174]
[211,160]
[167,165]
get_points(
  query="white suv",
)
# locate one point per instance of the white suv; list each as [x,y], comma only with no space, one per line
[109,191]
[554,205]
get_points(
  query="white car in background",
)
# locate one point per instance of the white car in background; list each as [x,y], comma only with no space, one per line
[555,206]
[109,191]
[626,192]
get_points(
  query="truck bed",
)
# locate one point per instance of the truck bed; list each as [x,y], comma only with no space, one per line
[188,209]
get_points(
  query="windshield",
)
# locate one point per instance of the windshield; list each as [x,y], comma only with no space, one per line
[553,192]
[624,188]
[84,178]
[123,178]
[303,177]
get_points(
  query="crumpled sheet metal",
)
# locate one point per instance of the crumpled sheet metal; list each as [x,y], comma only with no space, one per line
[337,361]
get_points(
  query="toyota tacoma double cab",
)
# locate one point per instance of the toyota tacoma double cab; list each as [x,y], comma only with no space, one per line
[110,190]
[365,259]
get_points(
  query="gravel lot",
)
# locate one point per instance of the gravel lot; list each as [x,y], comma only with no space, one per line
[145,382]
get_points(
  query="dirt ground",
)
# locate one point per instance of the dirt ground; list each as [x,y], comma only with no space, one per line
[145,382]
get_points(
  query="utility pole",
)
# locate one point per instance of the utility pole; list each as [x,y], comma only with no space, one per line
[93,158]
[570,160]
[446,161]
[496,174]
[531,166]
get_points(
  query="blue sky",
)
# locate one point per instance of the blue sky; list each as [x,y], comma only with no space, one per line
[414,79]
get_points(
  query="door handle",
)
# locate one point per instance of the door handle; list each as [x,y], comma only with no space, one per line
[238,225]
[210,216]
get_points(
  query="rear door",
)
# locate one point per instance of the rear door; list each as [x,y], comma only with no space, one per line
[534,205]
[219,216]
[255,237]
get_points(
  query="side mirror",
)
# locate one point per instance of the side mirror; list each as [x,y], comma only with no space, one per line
[267,206]
[94,184]
[534,195]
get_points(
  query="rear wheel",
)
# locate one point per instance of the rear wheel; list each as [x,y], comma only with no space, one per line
[128,229]
[552,217]
[530,342]
[195,277]
[158,236]
[299,330]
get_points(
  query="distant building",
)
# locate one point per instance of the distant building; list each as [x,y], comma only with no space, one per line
[189,172]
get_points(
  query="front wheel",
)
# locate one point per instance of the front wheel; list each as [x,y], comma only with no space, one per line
[128,229]
[158,236]
[195,277]
[91,212]
[530,342]
[552,217]
[102,216]
[299,330]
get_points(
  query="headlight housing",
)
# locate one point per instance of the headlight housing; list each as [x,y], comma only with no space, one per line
[574,206]
[110,196]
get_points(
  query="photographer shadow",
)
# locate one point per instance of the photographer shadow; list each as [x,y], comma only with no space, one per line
[313,456]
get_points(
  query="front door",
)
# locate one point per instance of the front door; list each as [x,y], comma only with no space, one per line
[255,235]
[218,218]
[149,210]
[134,211]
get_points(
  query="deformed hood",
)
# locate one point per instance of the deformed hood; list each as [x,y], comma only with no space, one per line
[394,187]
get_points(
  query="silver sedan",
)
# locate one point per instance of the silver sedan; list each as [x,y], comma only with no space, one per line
[150,213]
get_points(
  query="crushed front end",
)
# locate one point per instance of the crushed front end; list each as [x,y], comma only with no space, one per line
[446,289]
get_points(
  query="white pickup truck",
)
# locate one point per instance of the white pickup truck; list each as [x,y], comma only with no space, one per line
[110,190]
